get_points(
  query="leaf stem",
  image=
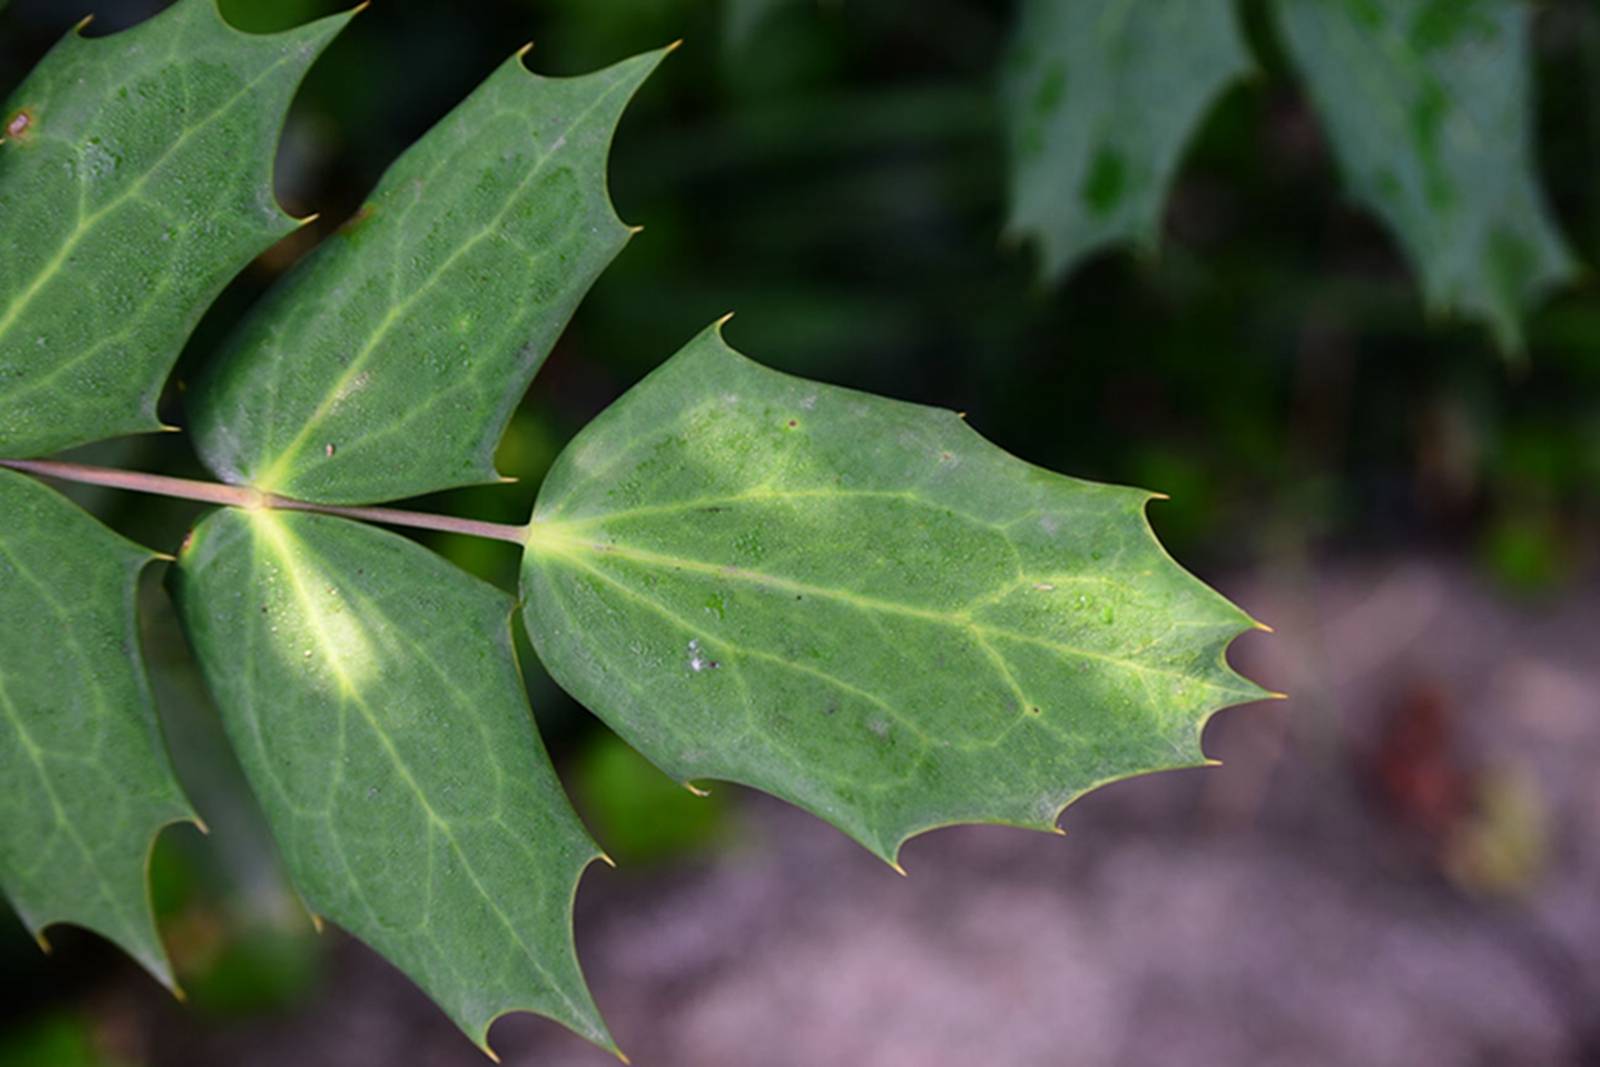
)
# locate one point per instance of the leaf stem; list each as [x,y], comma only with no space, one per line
[239,496]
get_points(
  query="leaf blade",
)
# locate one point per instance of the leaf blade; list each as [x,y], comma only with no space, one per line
[1428,107]
[167,133]
[88,783]
[422,322]
[861,606]
[381,721]
[1101,97]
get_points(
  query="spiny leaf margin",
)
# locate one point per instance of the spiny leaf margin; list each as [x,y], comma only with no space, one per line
[388,363]
[166,133]
[372,694]
[730,564]
[83,761]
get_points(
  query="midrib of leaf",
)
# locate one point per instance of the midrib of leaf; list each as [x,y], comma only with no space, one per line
[281,467]
[85,225]
[254,723]
[103,884]
[759,496]
[291,555]
[549,540]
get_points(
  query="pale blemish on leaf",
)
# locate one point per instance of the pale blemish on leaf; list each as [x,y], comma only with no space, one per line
[698,660]
[20,125]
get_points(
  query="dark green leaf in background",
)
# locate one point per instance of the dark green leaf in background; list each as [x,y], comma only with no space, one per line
[371,692]
[863,607]
[1100,98]
[388,364]
[1428,104]
[742,18]
[87,784]
[135,181]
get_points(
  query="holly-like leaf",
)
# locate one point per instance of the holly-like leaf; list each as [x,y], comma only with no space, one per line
[1428,106]
[1101,97]
[87,782]
[388,364]
[135,181]
[863,607]
[371,692]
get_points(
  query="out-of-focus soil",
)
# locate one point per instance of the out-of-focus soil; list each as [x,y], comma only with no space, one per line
[1321,898]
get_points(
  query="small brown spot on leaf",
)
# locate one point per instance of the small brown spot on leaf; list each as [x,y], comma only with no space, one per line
[356,221]
[20,124]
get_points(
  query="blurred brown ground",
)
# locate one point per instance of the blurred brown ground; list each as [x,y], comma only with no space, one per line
[1280,909]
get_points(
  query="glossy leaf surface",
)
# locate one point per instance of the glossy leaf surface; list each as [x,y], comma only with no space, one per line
[388,363]
[371,692]
[135,181]
[863,607]
[1101,97]
[1429,108]
[87,782]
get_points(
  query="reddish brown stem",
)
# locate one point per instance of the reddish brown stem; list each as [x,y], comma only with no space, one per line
[239,496]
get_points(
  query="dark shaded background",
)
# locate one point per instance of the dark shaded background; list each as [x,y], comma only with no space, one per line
[1403,862]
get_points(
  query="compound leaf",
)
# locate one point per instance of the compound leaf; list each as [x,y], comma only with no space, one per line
[1100,98]
[1428,106]
[863,607]
[388,363]
[135,181]
[371,692]
[87,782]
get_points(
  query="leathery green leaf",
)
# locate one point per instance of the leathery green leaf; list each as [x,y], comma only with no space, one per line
[1100,97]
[388,364]
[863,607]
[371,692]
[135,181]
[1429,108]
[87,782]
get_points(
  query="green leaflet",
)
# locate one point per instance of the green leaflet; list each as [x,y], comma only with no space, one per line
[1428,105]
[861,606]
[135,181]
[371,692]
[388,364]
[1100,97]
[87,783]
